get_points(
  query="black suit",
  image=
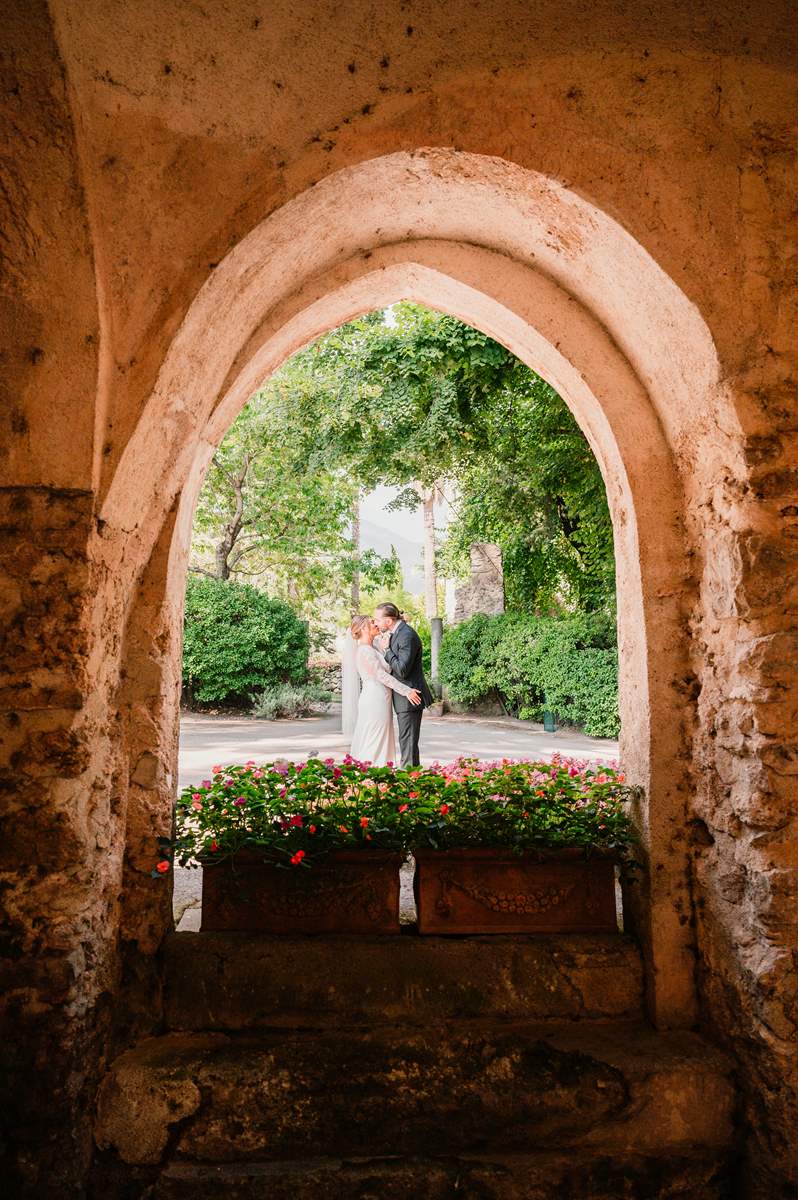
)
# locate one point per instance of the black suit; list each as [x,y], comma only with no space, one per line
[404,657]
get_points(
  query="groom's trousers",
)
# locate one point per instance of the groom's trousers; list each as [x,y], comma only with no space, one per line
[409,724]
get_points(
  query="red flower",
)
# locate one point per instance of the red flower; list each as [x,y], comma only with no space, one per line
[364,822]
[413,795]
[312,828]
[444,808]
[297,820]
[403,807]
[214,845]
[163,867]
[343,829]
[297,858]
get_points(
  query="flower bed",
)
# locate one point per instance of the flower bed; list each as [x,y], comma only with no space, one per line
[293,814]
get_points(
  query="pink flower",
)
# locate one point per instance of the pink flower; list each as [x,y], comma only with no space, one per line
[329,762]
[257,774]
[207,783]
[228,782]
[240,802]
[196,796]
[250,763]
[337,772]
[196,804]
[281,768]
[216,770]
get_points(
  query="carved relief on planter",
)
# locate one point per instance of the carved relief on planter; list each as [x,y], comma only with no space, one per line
[348,892]
[496,891]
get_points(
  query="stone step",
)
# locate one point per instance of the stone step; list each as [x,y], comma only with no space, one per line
[616,1091]
[520,1177]
[239,981]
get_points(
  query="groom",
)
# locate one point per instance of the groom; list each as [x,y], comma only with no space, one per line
[401,646]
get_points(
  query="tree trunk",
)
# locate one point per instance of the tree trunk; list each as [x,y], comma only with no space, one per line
[224,547]
[430,570]
[355,597]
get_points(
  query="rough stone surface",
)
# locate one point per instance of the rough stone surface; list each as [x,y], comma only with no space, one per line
[482,1177]
[241,981]
[484,591]
[611,195]
[437,1090]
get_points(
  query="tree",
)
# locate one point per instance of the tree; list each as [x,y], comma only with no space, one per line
[427,398]
[268,513]
[410,402]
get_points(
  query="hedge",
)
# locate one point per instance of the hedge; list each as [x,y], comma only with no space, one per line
[237,640]
[566,664]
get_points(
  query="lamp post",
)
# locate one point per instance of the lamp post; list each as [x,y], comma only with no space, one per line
[436,637]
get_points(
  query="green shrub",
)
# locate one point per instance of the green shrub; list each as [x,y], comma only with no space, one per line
[566,664]
[284,701]
[237,640]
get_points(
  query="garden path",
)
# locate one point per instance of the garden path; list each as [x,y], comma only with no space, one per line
[205,740]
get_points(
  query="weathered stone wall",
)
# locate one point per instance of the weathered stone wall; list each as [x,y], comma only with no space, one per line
[484,591]
[133,173]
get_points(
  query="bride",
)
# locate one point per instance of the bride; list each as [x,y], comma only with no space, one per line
[373,736]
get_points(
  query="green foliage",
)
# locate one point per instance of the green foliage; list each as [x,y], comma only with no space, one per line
[429,398]
[530,483]
[566,664]
[287,701]
[272,510]
[407,402]
[237,640]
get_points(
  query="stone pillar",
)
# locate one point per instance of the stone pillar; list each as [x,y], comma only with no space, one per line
[484,591]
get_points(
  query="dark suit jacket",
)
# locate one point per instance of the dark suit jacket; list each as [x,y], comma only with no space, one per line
[404,657]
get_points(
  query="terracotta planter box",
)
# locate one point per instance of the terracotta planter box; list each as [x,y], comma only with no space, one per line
[496,891]
[347,892]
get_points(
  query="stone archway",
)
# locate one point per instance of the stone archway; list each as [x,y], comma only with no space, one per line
[137,170]
[568,291]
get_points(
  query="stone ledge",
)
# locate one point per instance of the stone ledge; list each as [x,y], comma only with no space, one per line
[237,981]
[523,1178]
[489,1177]
[608,1089]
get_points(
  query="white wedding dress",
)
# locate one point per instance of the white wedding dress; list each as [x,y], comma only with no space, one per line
[373,737]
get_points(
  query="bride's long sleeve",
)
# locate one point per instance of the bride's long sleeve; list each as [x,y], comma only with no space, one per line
[371,666]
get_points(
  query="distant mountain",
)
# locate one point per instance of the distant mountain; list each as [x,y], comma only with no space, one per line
[411,553]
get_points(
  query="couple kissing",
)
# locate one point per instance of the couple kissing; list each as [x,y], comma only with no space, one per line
[389,663]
